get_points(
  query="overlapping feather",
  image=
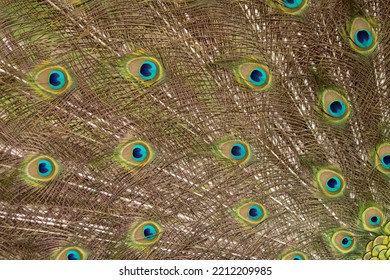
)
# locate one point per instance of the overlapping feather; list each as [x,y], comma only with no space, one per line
[94,203]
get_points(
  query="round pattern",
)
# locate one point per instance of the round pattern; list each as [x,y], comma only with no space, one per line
[294,255]
[143,234]
[70,253]
[337,108]
[333,184]
[363,38]
[335,105]
[133,153]
[148,70]
[254,75]
[255,212]
[381,158]
[56,79]
[238,151]
[250,212]
[73,255]
[343,241]
[45,168]
[37,170]
[362,35]
[258,77]
[150,232]
[51,81]
[375,220]
[346,242]
[385,161]
[139,152]
[292,4]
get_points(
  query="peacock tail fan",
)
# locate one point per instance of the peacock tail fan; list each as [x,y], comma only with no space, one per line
[193,129]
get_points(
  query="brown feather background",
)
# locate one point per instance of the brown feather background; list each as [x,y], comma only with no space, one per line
[188,192]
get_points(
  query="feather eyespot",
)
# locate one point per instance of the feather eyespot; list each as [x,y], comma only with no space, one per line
[139,152]
[45,168]
[346,242]
[235,150]
[343,241]
[381,158]
[38,170]
[293,7]
[149,232]
[134,153]
[373,218]
[72,253]
[57,79]
[335,106]
[385,161]
[292,4]
[148,70]
[144,69]
[238,151]
[251,212]
[255,212]
[52,80]
[258,76]
[253,75]
[331,183]
[297,258]
[362,36]
[294,255]
[144,234]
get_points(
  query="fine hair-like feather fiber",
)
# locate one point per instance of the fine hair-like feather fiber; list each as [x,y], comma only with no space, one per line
[240,129]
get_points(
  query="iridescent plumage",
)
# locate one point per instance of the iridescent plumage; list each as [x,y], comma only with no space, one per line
[192,129]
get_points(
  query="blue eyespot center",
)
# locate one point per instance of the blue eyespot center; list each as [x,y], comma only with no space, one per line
[139,152]
[385,160]
[238,151]
[375,220]
[73,255]
[346,242]
[333,184]
[148,70]
[297,257]
[150,232]
[255,212]
[45,167]
[56,79]
[337,108]
[363,38]
[292,4]
[258,77]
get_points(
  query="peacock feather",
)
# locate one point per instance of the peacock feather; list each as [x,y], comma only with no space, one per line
[192,129]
